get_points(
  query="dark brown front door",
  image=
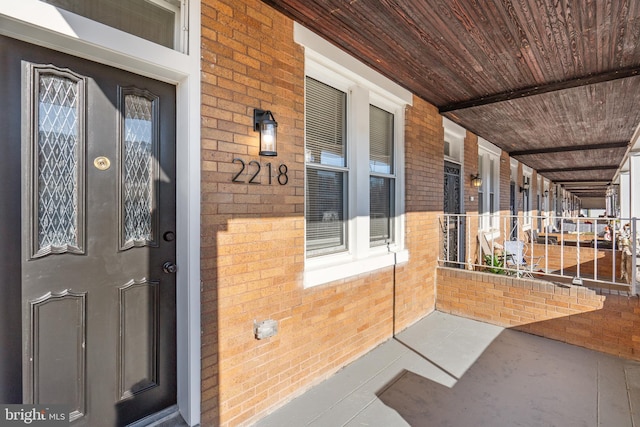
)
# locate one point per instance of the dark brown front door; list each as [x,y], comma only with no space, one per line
[97,198]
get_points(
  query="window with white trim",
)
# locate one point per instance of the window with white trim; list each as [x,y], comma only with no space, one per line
[160,21]
[354,167]
[329,141]
[381,177]
[327,172]
[454,136]
[489,191]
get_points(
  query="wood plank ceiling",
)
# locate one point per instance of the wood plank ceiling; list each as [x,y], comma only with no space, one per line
[554,83]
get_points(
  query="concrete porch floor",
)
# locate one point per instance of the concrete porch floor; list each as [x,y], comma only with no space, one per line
[451,371]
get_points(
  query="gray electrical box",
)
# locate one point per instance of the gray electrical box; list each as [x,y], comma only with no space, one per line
[265,329]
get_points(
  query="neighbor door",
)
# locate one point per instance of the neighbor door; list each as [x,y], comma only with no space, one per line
[454,225]
[97,199]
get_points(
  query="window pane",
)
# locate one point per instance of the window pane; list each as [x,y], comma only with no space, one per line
[141,18]
[325,124]
[492,209]
[381,214]
[381,198]
[137,185]
[380,140]
[492,175]
[57,152]
[325,214]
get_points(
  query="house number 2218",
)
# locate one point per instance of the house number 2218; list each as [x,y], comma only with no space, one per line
[253,169]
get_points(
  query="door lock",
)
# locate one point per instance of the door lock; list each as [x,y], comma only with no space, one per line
[169,267]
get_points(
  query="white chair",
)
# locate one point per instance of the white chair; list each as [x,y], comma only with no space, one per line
[515,258]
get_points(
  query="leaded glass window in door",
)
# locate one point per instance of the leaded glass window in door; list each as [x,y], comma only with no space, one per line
[56,157]
[139,170]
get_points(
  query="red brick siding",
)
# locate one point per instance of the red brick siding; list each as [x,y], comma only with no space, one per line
[424,183]
[471,206]
[253,235]
[470,168]
[572,314]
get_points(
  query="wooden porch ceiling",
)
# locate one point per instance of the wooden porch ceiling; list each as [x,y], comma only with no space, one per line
[526,75]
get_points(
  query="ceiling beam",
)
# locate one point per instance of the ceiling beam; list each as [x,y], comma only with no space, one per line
[587,189]
[566,148]
[591,181]
[578,169]
[541,89]
[582,193]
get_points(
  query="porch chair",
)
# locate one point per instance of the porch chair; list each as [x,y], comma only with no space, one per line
[488,246]
[516,258]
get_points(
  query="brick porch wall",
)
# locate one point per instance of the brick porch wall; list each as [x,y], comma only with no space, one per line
[572,314]
[253,235]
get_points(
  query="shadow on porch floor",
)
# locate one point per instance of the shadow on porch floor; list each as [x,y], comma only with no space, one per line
[451,371]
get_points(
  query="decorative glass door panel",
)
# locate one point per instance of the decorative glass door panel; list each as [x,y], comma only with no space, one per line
[57,155]
[139,168]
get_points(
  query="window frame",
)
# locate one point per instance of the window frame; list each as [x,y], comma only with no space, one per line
[180,25]
[392,177]
[345,170]
[364,87]
[489,170]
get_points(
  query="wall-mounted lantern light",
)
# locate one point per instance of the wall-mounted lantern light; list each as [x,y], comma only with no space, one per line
[524,187]
[546,193]
[476,181]
[264,123]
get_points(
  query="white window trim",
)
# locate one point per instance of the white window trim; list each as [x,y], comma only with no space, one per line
[514,170]
[337,60]
[180,24]
[454,134]
[489,152]
[364,86]
[45,25]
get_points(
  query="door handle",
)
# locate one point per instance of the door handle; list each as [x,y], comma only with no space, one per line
[169,267]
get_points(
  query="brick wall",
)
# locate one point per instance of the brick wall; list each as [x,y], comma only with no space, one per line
[424,183]
[250,256]
[471,206]
[253,235]
[576,315]
[470,168]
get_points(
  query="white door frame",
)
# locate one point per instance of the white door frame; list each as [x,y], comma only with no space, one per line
[42,24]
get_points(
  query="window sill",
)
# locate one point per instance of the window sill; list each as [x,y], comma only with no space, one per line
[341,267]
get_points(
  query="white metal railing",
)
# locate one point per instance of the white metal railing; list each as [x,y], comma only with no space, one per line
[595,252]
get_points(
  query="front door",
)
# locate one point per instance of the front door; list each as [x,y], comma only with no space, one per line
[97,202]
[454,224]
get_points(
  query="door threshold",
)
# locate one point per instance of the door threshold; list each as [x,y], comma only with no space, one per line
[169,417]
